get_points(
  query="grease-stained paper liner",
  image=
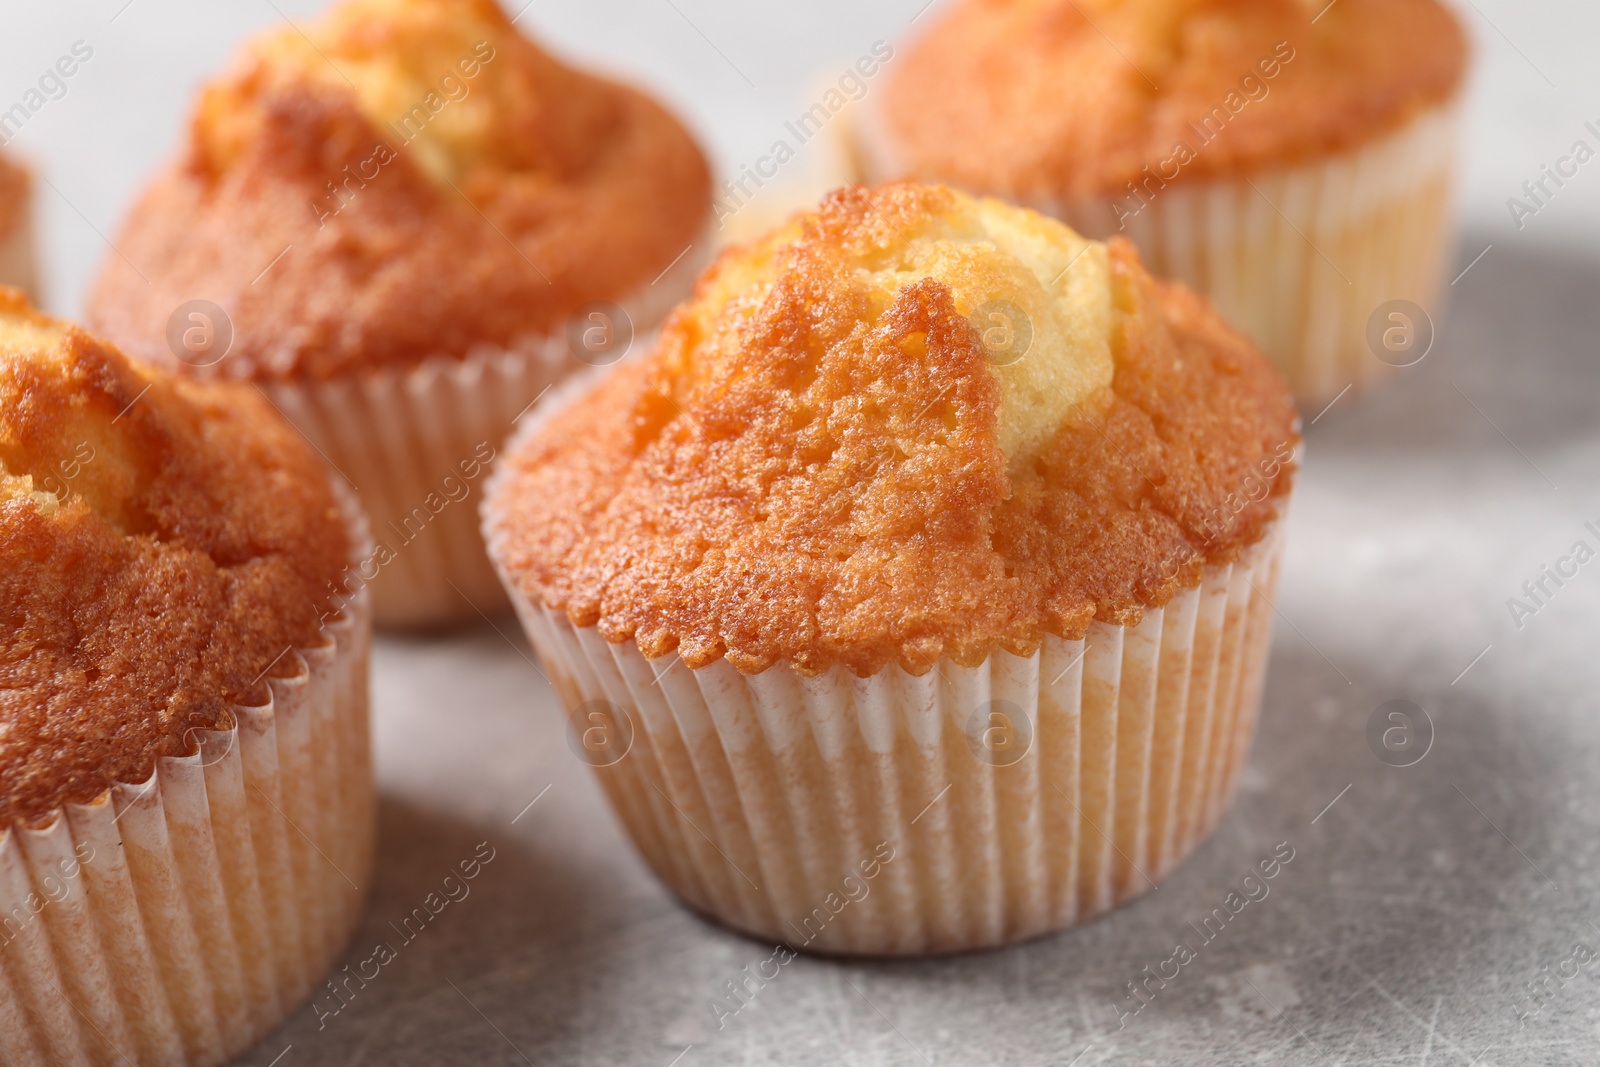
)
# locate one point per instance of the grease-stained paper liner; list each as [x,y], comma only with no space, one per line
[18,255]
[176,921]
[416,443]
[763,800]
[1299,259]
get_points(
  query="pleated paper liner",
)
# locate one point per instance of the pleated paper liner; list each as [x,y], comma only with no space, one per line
[176,921]
[899,815]
[415,444]
[1300,259]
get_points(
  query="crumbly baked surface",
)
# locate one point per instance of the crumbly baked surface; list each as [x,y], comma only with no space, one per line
[14,184]
[163,543]
[819,462]
[491,191]
[1041,99]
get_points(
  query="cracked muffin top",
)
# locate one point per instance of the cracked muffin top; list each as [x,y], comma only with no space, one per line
[163,545]
[1048,99]
[408,178]
[910,424]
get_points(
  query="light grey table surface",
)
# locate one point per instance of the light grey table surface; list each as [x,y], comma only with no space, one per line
[1418,906]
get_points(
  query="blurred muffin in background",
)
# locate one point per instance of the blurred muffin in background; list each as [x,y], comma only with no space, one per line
[1292,159]
[186,801]
[925,562]
[404,226]
[18,260]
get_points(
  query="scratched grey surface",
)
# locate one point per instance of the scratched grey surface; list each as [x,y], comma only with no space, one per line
[1405,930]
[1418,906]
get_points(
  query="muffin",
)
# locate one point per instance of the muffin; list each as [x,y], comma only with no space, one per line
[404,226]
[1294,161]
[912,594]
[17,261]
[186,801]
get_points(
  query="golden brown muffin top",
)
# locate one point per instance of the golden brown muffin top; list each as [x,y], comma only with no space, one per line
[13,194]
[1037,99]
[825,461]
[430,179]
[163,543]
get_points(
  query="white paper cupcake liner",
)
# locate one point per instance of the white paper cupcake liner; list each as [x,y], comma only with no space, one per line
[763,800]
[1299,259]
[177,920]
[416,443]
